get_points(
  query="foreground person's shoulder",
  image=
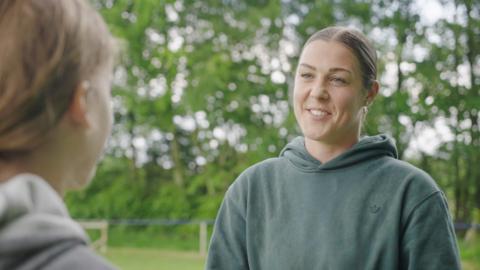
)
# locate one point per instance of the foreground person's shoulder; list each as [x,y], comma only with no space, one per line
[79,257]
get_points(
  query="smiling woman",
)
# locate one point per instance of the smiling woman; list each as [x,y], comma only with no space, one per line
[334,200]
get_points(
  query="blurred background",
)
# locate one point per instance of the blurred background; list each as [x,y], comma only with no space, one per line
[202,91]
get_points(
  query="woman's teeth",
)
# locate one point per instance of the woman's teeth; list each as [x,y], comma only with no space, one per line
[318,113]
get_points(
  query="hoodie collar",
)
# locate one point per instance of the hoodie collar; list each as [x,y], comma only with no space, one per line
[367,148]
[33,215]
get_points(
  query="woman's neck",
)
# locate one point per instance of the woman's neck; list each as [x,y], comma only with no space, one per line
[324,151]
[11,168]
[8,169]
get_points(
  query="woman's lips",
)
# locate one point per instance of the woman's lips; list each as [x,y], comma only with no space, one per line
[318,113]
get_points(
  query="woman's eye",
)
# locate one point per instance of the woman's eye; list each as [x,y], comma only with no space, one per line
[306,75]
[338,80]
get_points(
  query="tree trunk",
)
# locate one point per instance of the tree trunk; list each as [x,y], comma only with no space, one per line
[178,177]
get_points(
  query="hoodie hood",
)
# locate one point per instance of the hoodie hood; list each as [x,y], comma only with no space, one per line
[367,148]
[33,216]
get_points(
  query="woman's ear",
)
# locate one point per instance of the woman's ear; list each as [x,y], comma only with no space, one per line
[77,110]
[372,92]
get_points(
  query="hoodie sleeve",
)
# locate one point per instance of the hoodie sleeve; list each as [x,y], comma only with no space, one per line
[429,240]
[227,249]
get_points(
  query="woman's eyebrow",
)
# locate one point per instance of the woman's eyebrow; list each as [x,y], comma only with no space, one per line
[308,66]
[335,69]
[339,69]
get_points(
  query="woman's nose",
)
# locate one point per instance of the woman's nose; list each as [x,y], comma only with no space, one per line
[319,90]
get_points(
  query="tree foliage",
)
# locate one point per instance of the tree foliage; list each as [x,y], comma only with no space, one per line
[202,91]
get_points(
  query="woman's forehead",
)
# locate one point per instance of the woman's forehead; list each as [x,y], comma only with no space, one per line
[331,54]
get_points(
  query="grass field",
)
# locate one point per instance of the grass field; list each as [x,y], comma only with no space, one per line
[156,249]
[470,255]
[154,259]
[158,259]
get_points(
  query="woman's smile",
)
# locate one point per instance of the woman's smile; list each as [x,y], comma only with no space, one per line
[319,114]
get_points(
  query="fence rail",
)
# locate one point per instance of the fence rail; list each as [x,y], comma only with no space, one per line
[103,226]
[466,226]
[159,222]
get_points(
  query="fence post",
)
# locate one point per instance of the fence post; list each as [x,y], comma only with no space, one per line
[104,238]
[102,225]
[203,238]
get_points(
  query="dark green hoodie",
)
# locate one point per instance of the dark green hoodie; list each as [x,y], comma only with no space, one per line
[365,209]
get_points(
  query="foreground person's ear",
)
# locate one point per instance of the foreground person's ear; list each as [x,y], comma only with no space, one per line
[372,92]
[77,110]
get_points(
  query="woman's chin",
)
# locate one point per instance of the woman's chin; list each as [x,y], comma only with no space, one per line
[315,135]
[80,181]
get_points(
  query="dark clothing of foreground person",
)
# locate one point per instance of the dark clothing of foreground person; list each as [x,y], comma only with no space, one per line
[365,209]
[56,66]
[36,231]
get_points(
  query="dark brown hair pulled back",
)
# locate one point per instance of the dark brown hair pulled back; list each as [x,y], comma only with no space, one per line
[358,44]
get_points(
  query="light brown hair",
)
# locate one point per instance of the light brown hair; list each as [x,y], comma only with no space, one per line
[358,43]
[47,48]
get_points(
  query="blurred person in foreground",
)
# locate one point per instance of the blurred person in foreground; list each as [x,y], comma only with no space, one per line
[333,199]
[56,59]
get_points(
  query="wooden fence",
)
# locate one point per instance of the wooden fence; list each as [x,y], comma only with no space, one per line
[102,225]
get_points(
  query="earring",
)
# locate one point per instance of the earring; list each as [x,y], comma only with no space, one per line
[365,109]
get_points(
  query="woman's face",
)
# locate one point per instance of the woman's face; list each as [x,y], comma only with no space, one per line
[328,93]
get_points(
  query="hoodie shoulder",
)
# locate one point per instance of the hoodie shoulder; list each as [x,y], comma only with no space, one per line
[79,257]
[251,179]
[267,164]
[411,174]
[416,185]
[258,173]
[65,254]
[262,168]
